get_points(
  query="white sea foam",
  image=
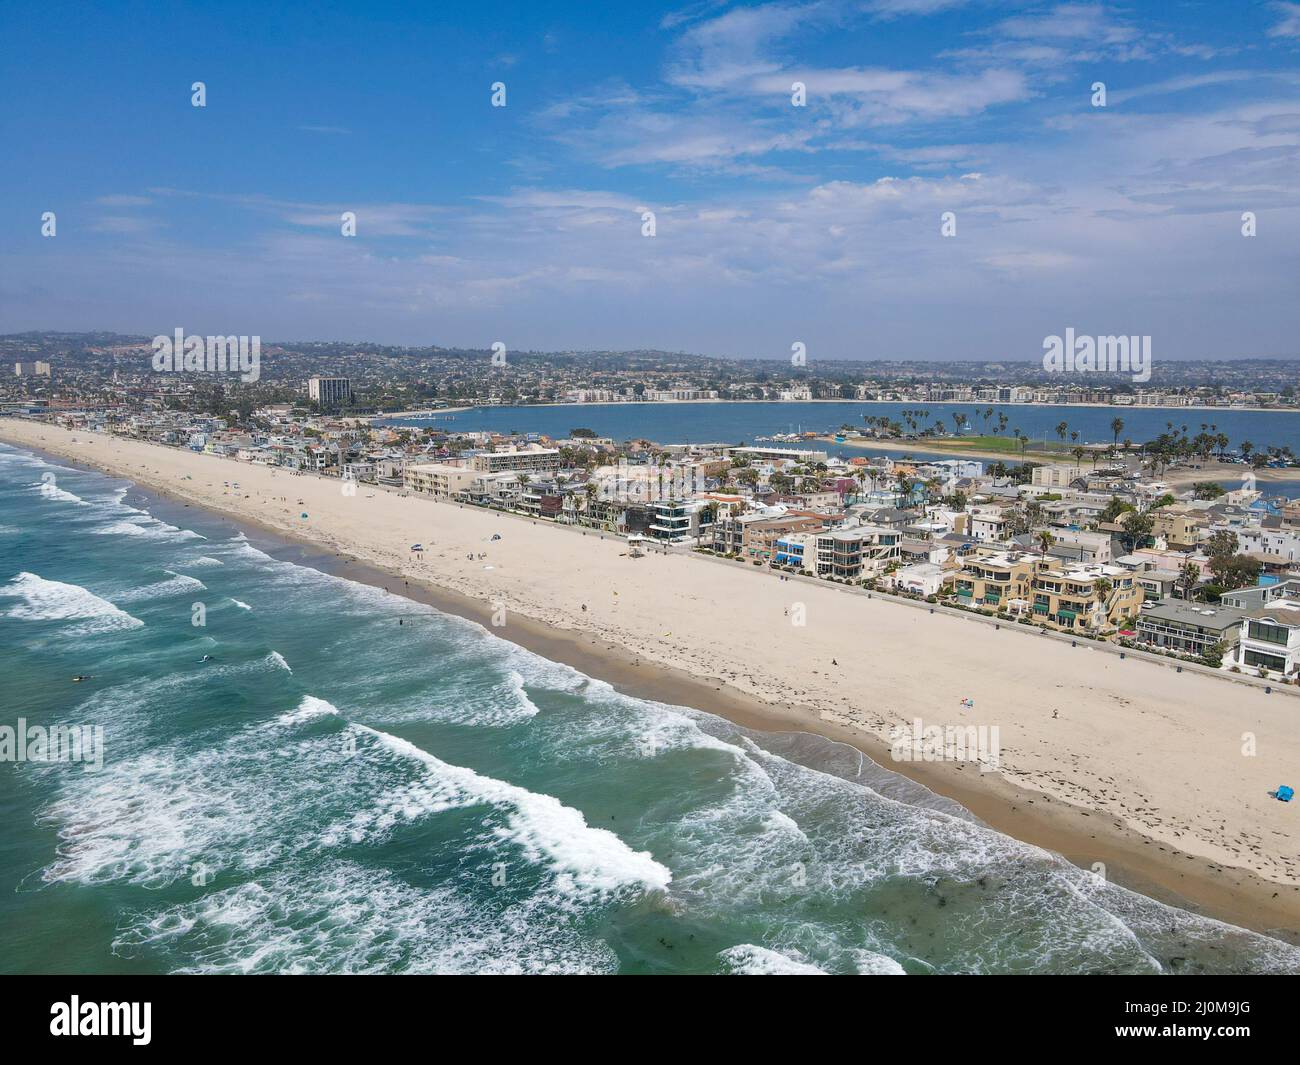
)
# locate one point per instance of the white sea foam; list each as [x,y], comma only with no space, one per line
[251,805]
[586,860]
[45,600]
[868,963]
[240,603]
[345,918]
[483,704]
[201,562]
[525,706]
[278,659]
[145,527]
[239,545]
[50,490]
[176,584]
[747,959]
[309,708]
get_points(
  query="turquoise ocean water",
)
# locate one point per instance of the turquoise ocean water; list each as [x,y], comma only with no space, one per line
[333,791]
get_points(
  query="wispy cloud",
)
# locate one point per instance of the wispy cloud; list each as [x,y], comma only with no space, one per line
[1288,24]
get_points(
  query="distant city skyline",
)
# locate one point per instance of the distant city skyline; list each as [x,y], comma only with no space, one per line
[773,223]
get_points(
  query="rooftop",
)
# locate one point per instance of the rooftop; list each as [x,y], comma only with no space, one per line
[1183,613]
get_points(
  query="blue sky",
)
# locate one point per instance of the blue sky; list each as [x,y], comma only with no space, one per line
[774,223]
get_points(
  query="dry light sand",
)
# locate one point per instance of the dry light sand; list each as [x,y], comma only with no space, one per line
[1140,767]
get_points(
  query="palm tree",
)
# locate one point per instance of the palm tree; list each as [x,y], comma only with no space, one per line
[1187,578]
[904,485]
[707,516]
[1116,427]
[1045,540]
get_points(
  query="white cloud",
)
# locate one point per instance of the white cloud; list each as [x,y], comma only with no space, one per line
[1289,20]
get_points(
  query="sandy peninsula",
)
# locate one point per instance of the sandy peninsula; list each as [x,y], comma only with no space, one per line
[1122,762]
[1181,477]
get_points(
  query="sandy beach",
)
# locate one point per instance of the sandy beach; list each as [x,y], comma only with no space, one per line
[1119,762]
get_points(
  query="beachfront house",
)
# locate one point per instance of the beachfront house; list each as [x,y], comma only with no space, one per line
[1189,627]
[796,549]
[921,578]
[678,521]
[1270,638]
[855,552]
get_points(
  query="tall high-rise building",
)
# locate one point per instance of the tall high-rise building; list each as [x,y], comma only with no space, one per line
[329,391]
[31,369]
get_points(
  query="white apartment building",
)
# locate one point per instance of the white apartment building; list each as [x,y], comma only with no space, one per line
[955,469]
[329,391]
[679,395]
[777,454]
[536,460]
[1260,541]
[988,525]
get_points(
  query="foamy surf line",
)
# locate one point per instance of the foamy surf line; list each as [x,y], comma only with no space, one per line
[587,860]
[45,600]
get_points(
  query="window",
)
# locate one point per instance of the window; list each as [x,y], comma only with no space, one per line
[1256,658]
[1269,633]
